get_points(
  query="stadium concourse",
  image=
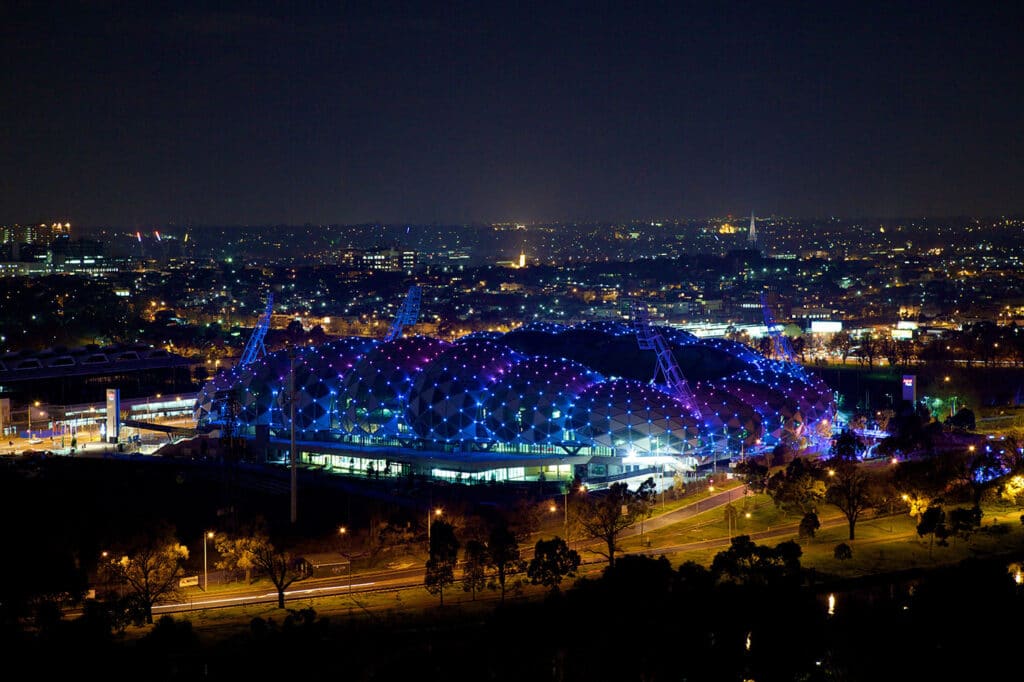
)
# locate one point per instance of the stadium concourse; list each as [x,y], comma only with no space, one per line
[542,402]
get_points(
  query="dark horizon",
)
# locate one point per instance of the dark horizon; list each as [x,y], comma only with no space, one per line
[257,114]
[741,220]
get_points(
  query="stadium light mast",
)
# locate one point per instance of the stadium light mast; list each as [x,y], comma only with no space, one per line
[294,455]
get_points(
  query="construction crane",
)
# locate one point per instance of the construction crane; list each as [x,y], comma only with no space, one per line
[255,348]
[407,315]
[649,338]
[781,348]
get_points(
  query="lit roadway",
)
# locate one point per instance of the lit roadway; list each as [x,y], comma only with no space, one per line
[412,577]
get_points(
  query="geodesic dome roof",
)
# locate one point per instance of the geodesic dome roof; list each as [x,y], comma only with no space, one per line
[623,413]
[532,402]
[703,361]
[610,327]
[540,326]
[726,414]
[479,336]
[260,384]
[319,373]
[812,403]
[374,392]
[209,402]
[542,384]
[678,337]
[738,350]
[778,412]
[446,397]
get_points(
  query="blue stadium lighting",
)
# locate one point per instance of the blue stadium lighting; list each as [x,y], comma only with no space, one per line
[483,389]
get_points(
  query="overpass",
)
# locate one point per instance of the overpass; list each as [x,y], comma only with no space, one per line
[170,430]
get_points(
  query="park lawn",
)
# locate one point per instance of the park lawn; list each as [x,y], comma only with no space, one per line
[882,544]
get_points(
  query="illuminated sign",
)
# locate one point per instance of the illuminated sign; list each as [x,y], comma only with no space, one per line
[826,326]
[113,415]
[910,387]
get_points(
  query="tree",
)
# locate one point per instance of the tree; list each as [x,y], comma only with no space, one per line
[1012,489]
[279,566]
[644,500]
[842,552]
[847,446]
[474,567]
[850,491]
[753,474]
[963,419]
[524,519]
[869,348]
[964,520]
[444,554]
[604,515]
[933,524]
[798,489]
[800,347]
[809,524]
[731,515]
[746,562]
[840,344]
[552,561]
[237,554]
[503,557]
[150,569]
[780,453]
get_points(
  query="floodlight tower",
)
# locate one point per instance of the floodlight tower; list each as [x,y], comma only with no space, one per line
[255,348]
[649,338]
[407,315]
[781,348]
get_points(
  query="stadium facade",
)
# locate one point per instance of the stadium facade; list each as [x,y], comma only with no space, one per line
[543,402]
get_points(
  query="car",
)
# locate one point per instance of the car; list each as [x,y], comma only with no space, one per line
[36,441]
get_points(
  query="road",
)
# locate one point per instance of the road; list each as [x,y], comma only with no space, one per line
[412,576]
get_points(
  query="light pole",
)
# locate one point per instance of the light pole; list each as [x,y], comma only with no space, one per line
[565,510]
[206,576]
[430,522]
[36,403]
[342,530]
[294,455]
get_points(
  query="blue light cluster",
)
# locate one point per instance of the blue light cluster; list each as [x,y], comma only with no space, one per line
[503,388]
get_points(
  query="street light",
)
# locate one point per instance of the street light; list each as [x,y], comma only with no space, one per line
[437,512]
[36,403]
[208,535]
[342,531]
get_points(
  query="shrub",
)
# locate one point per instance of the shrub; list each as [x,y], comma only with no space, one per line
[843,552]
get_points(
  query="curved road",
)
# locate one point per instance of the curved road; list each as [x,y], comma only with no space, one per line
[412,577]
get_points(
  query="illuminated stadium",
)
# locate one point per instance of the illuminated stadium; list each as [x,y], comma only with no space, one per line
[542,402]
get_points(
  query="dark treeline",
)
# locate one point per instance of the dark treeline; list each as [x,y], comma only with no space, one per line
[643,621]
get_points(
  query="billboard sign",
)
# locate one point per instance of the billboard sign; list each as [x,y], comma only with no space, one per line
[909,384]
[826,326]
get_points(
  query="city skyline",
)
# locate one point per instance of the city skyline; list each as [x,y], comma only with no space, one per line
[253,114]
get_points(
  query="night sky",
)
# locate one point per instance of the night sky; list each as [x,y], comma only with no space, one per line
[148,113]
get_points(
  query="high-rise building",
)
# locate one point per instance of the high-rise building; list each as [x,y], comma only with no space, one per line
[387,260]
[36,233]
